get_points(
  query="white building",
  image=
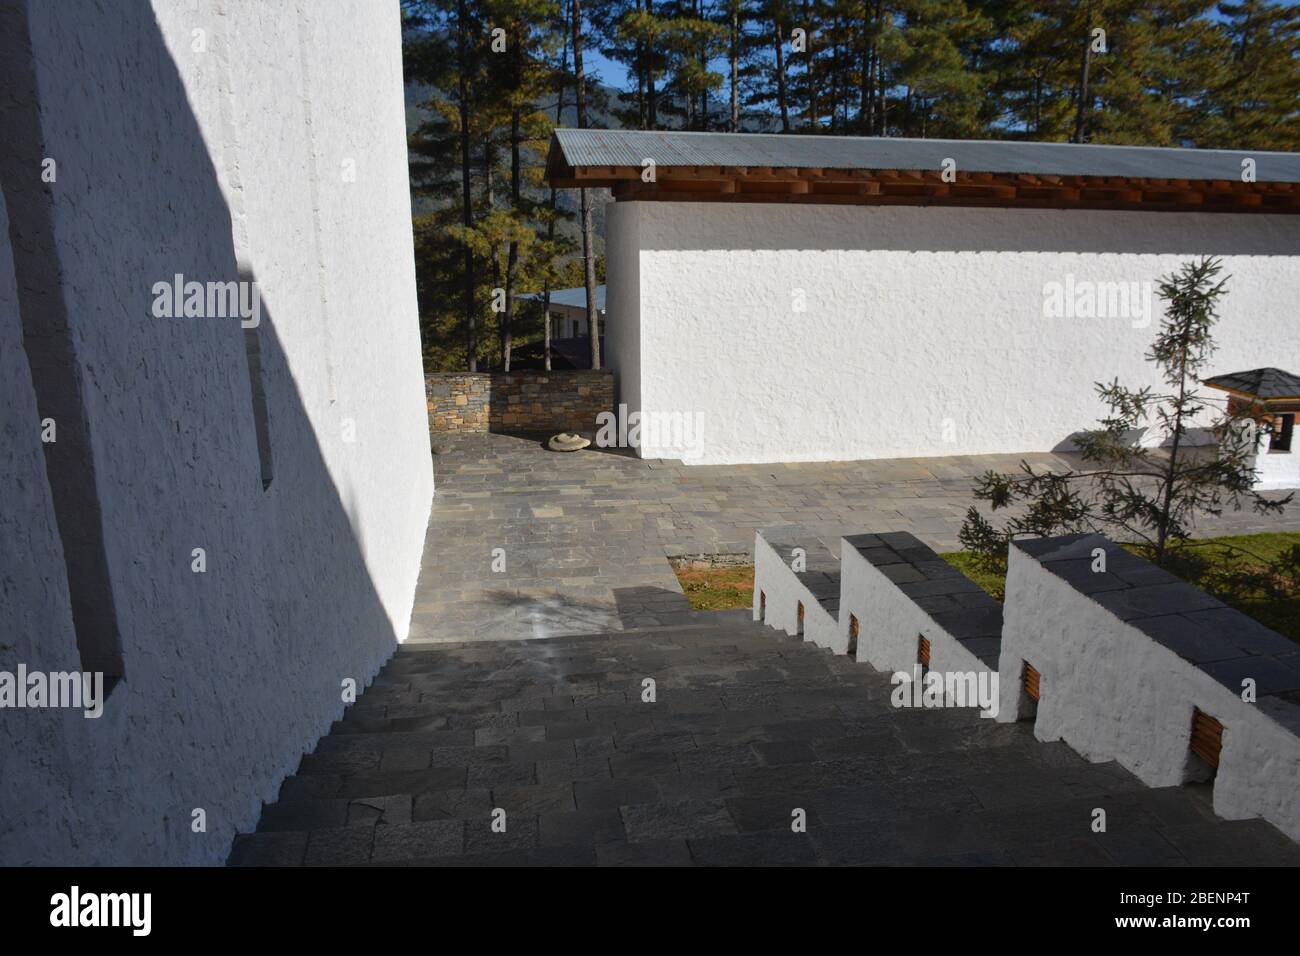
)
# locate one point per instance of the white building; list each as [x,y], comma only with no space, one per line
[819,298]
[568,308]
[217,500]
[1273,396]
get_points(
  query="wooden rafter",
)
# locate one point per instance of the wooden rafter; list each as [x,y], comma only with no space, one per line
[929,187]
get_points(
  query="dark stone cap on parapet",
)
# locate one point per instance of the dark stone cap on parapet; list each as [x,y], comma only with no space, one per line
[785,538]
[952,600]
[1198,627]
[821,574]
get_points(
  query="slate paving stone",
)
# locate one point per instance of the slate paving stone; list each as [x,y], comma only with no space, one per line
[769,848]
[845,805]
[697,785]
[306,814]
[452,804]
[713,759]
[559,771]
[769,813]
[427,838]
[612,794]
[644,763]
[593,828]
[339,847]
[549,749]
[780,752]
[285,848]
[630,783]
[339,763]
[1075,851]
[414,781]
[547,856]
[404,758]
[678,819]
[491,776]
[1232,842]
[653,741]
[1013,790]
[521,833]
[372,811]
[570,731]
[588,747]
[310,787]
[855,844]
[658,853]
[538,798]
[1140,846]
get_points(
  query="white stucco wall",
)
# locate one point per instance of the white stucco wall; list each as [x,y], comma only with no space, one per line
[784,591]
[1275,470]
[1113,693]
[890,624]
[923,330]
[173,159]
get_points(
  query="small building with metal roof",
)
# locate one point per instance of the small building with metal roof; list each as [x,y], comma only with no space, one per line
[1273,397]
[817,297]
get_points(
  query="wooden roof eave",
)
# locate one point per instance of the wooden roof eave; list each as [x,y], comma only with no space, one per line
[910,186]
[1249,396]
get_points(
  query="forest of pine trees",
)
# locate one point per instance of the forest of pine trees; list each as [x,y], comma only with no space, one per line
[490,79]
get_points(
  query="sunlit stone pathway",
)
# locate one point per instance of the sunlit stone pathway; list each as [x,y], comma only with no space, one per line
[583,535]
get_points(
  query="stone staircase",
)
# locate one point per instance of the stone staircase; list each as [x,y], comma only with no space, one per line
[747,728]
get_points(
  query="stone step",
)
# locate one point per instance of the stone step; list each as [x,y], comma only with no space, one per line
[636,818]
[702,623]
[748,726]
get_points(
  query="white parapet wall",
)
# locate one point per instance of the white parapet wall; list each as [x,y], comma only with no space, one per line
[1275,470]
[831,332]
[1126,652]
[233,512]
[899,591]
[792,569]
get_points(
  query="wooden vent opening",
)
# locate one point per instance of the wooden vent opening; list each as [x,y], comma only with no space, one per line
[853,634]
[801,617]
[923,652]
[1207,738]
[1031,681]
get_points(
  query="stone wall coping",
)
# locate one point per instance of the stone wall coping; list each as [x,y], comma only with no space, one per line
[1221,641]
[953,601]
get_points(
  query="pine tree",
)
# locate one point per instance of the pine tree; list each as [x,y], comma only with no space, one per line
[1255,103]
[1147,495]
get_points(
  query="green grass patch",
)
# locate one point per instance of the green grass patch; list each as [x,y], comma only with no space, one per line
[974,567]
[1208,563]
[718,589]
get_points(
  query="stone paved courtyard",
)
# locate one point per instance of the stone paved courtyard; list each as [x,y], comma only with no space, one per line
[576,528]
[747,727]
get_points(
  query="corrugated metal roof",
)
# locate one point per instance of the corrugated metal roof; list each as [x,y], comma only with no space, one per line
[576,147]
[574,298]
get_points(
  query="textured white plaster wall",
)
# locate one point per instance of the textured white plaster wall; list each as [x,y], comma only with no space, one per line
[890,624]
[923,332]
[1113,693]
[784,592]
[35,613]
[231,674]
[1275,470]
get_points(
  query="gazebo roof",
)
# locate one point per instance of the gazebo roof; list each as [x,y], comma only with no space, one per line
[1261,383]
